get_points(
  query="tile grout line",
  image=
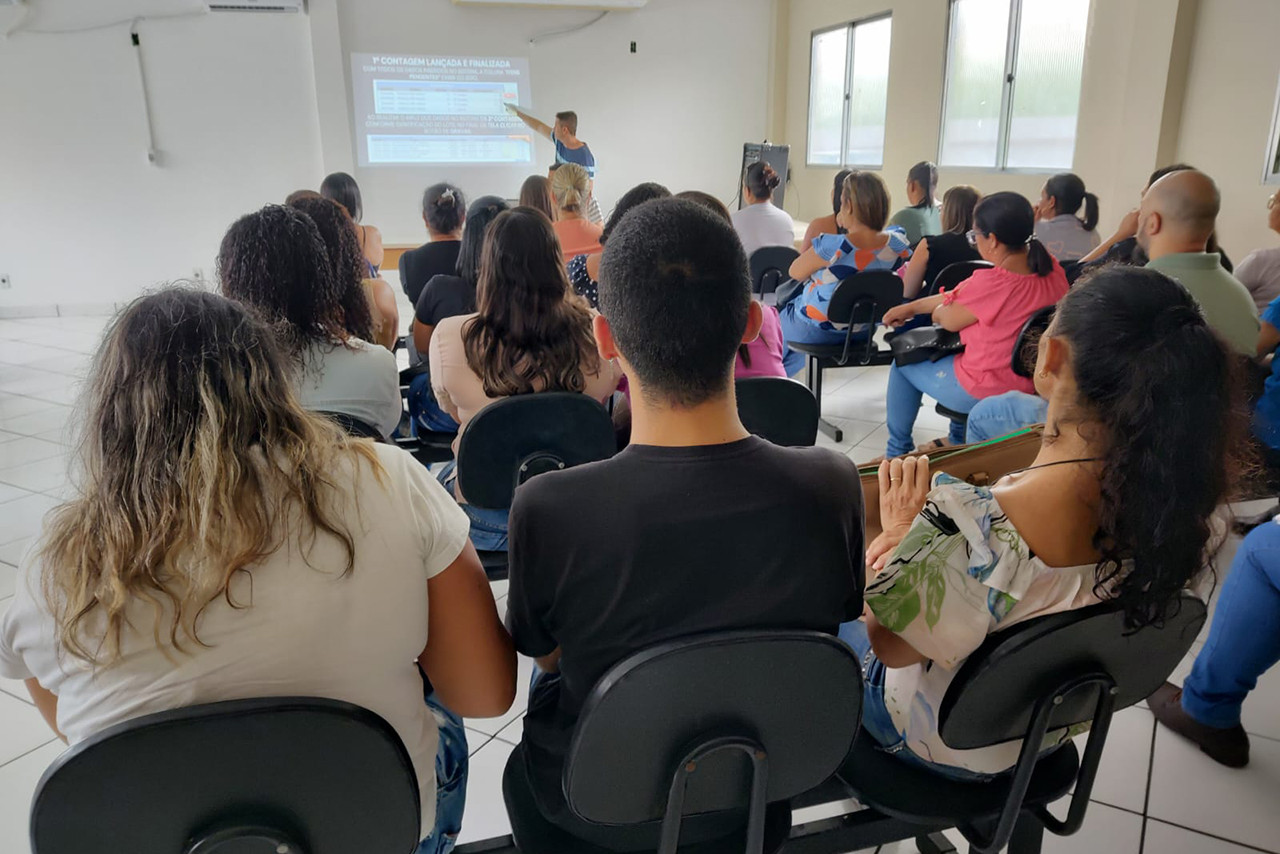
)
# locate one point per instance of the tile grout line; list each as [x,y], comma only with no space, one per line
[28,752]
[1245,845]
[1146,800]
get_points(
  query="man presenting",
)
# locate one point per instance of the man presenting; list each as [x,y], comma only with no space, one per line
[569,149]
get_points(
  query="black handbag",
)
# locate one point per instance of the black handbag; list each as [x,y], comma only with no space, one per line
[926,343]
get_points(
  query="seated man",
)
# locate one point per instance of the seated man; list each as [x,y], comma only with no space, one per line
[697,526]
[1175,223]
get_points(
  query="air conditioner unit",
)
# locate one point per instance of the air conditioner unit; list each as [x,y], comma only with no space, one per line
[608,5]
[257,5]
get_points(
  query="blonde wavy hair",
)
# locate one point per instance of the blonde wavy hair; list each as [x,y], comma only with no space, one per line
[195,456]
[570,185]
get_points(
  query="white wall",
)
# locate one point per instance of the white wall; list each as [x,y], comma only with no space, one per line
[1129,54]
[85,220]
[1226,117]
[677,111]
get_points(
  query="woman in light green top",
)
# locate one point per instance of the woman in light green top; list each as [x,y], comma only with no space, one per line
[922,217]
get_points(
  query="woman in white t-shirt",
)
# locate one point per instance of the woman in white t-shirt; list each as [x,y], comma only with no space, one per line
[223,543]
[276,261]
[760,222]
[1138,450]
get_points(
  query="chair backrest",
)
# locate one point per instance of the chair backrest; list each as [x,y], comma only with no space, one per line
[318,776]
[865,297]
[353,426]
[796,694]
[991,698]
[770,266]
[953,274]
[514,439]
[780,410]
[1027,345]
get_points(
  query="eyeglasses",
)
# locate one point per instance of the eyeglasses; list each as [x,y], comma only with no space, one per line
[972,236]
[1271,202]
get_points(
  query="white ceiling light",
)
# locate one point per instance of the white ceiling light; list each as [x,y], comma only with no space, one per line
[559,4]
[256,6]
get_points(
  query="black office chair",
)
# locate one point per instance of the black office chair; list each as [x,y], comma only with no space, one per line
[770,266]
[295,775]
[1043,675]
[952,275]
[1027,346]
[858,300]
[780,410]
[514,439]
[353,426]
[709,736]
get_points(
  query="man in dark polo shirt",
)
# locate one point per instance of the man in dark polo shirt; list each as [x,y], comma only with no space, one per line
[697,526]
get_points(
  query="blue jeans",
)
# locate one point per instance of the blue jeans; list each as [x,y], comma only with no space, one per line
[876,721]
[908,385]
[488,527]
[804,331]
[993,417]
[424,412]
[792,360]
[1244,639]
[451,781]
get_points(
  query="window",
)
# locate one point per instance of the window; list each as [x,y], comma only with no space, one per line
[1271,169]
[848,94]
[1013,83]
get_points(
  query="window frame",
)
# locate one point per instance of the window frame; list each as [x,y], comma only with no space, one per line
[1271,160]
[1012,46]
[849,27]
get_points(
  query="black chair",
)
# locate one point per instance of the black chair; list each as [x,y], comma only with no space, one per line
[858,300]
[952,275]
[709,735]
[1027,346]
[770,266]
[1043,675]
[514,439]
[780,410]
[353,426]
[293,774]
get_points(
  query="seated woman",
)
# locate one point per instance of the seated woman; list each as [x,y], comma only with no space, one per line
[570,188]
[936,252]
[921,216]
[867,245]
[443,209]
[535,193]
[760,222]
[447,296]
[988,310]
[343,189]
[276,262]
[1260,269]
[1067,236]
[1137,454]
[530,333]
[583,269]
[348,265]
[828,224]
[223,543]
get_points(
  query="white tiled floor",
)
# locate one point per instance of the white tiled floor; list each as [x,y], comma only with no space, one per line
[1154,793]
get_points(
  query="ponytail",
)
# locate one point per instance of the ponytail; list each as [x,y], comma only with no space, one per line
[1090,221]
[1009,218]
[1166,392]
[1039,261]
[762,179]
[570,184]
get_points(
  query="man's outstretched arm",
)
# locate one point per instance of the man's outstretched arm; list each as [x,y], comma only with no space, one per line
[536,124]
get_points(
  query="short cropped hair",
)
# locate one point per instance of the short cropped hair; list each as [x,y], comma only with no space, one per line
[675,289]
[570,121]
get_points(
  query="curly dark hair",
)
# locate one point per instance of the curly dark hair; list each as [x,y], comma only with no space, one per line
[632,198]
[531,332]
[346,259]
[1169,395]
[276,262]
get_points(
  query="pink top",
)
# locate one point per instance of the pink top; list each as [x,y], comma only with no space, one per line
[1002,301]
[578,237]
[765,351]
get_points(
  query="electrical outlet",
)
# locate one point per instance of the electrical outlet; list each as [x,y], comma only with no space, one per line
[5,283]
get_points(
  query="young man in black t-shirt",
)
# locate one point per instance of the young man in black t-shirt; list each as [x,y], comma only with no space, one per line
[697,526]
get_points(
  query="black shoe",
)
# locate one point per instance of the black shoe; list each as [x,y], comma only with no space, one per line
[1228,746]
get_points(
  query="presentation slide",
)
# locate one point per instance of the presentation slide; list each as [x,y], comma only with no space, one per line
[440,109]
